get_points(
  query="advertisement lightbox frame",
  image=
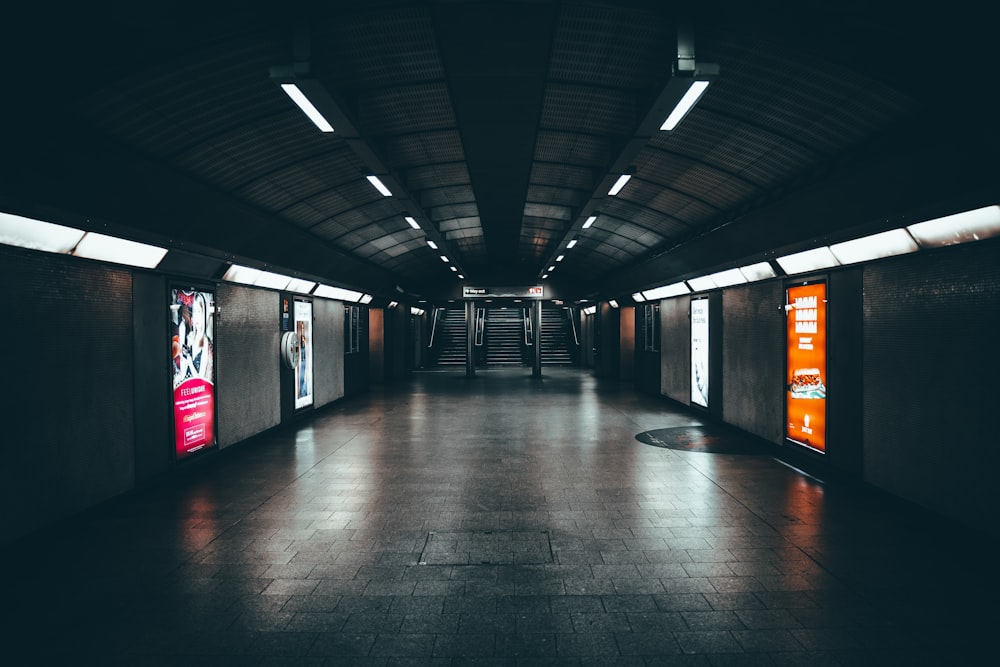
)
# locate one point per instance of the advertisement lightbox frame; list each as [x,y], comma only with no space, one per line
[305,352]
[821,383]
[174,351]
[704,359]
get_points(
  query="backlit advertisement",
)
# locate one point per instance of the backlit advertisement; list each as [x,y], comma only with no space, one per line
[805,402]
[699,352]
[304,365]
[193,360]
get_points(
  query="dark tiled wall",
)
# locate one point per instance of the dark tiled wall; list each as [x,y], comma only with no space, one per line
[247,362]
[931,365]
[675,349]
[328,340]
[68,438]
[753,364]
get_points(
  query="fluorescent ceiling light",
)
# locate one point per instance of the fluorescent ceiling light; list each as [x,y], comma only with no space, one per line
[982,223]
[271,280]
[432,244]
[810,260]
[379,185]
[673,289]
[728,277]
[560,258]
[702,284]
[300,286]
[613,303]
[571,244]
[758,271]
[619,184]
[876,246]
[416,311]
[453,269]
[38,235]
[241,274]
[461,277]
[307,107]
[444,259]
[338,293]
[589,222]
[366,299]
[590,310]
[687,102]
[393,304]
[552,268]
[545,276]
[413,223]
[119,251]
[638,297]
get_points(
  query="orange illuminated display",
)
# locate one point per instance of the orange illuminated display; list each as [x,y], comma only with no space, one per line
[805,379]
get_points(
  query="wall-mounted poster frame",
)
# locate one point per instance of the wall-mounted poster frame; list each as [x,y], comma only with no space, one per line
[192,362]
[700,360]
[806,364]
[304,364]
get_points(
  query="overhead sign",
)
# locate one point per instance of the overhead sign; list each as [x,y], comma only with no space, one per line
[805,402]
[530,292]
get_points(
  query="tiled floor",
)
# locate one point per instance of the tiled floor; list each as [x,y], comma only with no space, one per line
[498,521]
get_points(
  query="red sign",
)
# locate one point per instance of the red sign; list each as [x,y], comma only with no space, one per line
[805,402]
[192,364]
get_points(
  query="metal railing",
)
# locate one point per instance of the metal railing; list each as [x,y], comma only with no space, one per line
[572,325]
[529,333]
[480,325]
[434,321]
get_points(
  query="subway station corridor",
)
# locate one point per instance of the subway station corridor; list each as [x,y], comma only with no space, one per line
[497,520]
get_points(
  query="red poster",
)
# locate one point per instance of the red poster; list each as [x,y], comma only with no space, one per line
[806,366]
[192,323]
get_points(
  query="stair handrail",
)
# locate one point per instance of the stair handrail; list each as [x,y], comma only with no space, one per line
[572,325]
[480,326]
[434,321]
[529,334]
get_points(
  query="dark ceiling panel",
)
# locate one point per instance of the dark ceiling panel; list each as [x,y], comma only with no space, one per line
[405,109]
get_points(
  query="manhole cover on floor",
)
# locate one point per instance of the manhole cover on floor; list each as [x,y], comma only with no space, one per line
[487,547]
[708,439]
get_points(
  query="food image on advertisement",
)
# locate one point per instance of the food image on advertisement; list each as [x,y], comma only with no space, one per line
[807,383]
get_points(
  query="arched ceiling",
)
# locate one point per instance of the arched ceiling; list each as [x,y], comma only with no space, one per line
[498,124]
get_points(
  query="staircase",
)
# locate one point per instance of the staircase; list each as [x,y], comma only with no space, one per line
[449,339]
[556,338]
[504,336]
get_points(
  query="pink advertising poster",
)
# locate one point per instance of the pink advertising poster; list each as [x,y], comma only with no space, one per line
[192,365]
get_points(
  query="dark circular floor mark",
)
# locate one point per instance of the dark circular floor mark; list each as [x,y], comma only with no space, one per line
[708,439]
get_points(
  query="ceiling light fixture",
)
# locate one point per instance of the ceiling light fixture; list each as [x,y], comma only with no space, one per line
[338,293]
[432,244]
[619,184]
[613,303]
[758,271]
[413,223]
[571,244]
[673,289]
[120,251]
[461,277]
[38,235]
[701,284]
[885,244]
[307,107]
[590,221]
[444,259]
[638,297]
[560,258]
[810,260]
[379,185]
[552,268]
[686,103]
[975,225]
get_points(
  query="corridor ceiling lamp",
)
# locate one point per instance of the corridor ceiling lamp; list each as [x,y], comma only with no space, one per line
[300,286]
[613,303]
[294,92]
[666,291]
[38,235]
[589,222]
[638,297]
[728,278]
[365,299]
[432,244]
[337,293]
[545,277]
[686,103]
[619,184]
[975,225]
[119,251]
[552,268]
[411,222]
[810,260]
[590,310]
[702,284]
[453,269]
[393,304]
[271,280]
[560,258]
[461,277]
[571,243]
[444,259]
[379,185]
[244,275]
[886,244]
[758,271]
